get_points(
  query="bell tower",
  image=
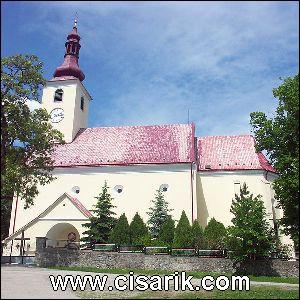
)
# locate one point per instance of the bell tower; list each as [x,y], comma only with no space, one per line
[64,96]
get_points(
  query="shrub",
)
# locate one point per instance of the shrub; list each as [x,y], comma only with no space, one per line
[197,235]
[214,235]
[166,234]
[121,233]
[138,229]
[149,241]
[183,233]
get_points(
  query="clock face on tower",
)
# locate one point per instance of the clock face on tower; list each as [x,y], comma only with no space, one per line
[56,115]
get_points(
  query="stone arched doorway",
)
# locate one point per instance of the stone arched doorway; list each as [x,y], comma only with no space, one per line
[61,235]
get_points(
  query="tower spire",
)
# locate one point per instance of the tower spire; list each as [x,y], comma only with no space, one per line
[70,67]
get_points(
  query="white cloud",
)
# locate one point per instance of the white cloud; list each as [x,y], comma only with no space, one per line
[32,104]
[148,62]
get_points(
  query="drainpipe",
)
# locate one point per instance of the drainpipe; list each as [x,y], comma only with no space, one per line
[192,191]
[275,224]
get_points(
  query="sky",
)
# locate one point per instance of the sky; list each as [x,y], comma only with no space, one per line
[146,63]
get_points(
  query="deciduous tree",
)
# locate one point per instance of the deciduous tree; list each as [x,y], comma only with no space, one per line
[27,138]
[279,137]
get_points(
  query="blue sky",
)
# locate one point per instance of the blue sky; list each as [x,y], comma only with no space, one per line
[150,62]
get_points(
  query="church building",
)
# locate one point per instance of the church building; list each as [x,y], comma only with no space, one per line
[199,175]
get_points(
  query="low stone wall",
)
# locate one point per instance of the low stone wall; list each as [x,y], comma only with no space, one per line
[47,257]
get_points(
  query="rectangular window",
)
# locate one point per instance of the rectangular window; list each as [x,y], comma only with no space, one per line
[237,186]
[82,103]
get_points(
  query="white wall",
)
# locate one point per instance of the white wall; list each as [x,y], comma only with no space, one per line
[216,190]
[140,184]
[212,193]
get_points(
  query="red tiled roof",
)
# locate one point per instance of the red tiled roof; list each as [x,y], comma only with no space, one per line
[230,153]
[80,206]
[128,145]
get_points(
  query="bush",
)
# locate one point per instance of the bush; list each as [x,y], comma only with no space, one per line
[138,229]
[197,236]
[121,233]
[166,234]
[214,235]
[149,241]
[183,233]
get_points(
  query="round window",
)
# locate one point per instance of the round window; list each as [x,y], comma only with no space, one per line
[164,187]
[76,189]
[118,189]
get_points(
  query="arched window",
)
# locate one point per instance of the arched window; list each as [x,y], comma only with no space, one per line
[58,95]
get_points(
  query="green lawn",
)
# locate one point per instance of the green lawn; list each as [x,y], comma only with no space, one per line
[162,272]
[254,293]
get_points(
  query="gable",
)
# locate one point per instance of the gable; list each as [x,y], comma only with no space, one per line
[64,209]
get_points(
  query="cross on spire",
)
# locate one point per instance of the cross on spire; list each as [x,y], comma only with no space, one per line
[70,67]
[75,20]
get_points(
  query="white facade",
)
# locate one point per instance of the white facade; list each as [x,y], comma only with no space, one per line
[204,196]
[139,184]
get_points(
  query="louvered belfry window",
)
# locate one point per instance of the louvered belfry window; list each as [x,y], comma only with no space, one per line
[58,95]
[82,103]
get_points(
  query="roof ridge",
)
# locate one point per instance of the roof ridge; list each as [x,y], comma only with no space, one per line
[233,135]
[154,125]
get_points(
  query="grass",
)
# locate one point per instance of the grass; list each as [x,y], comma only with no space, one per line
[293,280]
[254,293]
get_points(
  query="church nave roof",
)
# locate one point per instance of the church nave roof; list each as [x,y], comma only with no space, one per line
[153,144]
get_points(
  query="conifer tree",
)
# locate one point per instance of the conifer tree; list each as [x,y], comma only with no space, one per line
[250,235]
[197,235]
[214,234]
[158,214]
[166,234]
[121,232]
[138,229]
[183,233]
[102,221]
